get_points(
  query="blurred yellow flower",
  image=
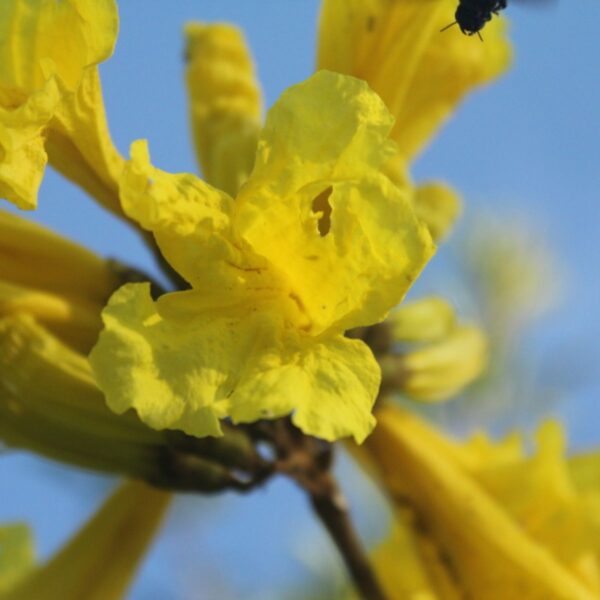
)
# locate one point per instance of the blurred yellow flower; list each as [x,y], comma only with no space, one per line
[17,554]
[396,47]
[485,519]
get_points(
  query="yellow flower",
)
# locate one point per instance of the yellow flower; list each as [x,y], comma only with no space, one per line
[50,97]
[99,562]
[317,241]
[438,206]
[516,274]
[485,519]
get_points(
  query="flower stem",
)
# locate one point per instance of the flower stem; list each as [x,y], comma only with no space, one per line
[330,506]
[307,460]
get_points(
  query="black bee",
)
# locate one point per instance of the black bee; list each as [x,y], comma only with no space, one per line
[472,15]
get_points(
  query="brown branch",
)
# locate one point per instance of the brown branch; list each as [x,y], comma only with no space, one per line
[307,461]
[330,506]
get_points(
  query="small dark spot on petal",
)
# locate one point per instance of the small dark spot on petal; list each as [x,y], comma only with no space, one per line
[321,207]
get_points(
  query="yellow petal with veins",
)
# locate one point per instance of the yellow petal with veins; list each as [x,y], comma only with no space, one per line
[319,209]
[182,364]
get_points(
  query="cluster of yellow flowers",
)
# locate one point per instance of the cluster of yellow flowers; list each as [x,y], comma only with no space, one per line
[290,255]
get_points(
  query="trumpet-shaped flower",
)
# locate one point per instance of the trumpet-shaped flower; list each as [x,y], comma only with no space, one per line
[50,97]
[50,404]
[483,519]
[317,241]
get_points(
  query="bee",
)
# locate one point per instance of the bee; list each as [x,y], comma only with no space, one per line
[472,15]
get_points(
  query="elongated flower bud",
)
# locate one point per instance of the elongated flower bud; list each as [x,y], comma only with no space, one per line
[438,206]
[17,554]
[35,257]
[61,284]
[225,103]
[440,370]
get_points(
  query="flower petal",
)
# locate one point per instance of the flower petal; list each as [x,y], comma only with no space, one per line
[319,210]
[225,103]
[79,144]
[32,59]
[186,369]
[22,155]
[30,47]
[191,222]
[340,379]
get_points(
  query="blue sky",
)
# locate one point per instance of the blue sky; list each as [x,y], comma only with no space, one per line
[529,143]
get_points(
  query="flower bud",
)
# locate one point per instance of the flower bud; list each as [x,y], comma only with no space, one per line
[225,103]
[440,370]
[422,321]
[438,206]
